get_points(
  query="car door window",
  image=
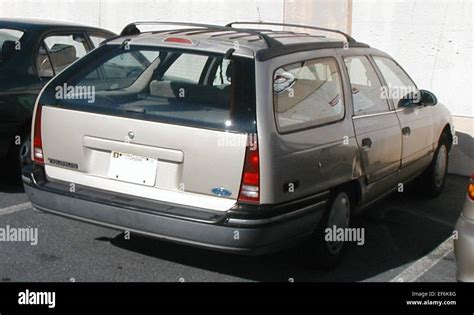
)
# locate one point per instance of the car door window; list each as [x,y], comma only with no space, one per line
[366,87]
[307,94]
[223,73]
[62,50]
[97,39]
[120,71]
[399,84]
[43,63]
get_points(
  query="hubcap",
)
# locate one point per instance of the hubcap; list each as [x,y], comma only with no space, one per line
[441,165]
[339,216]
[25,151]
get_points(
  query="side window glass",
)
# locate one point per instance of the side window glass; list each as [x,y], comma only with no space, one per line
[187,68]
[120,71]
[366,87]
[65,49]
[307,94]
[97,39]
[399,84]
[223,74]
[43,64]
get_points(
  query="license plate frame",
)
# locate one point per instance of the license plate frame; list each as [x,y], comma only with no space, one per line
[131,168]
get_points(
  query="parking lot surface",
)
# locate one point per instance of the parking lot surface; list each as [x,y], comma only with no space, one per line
[405,240]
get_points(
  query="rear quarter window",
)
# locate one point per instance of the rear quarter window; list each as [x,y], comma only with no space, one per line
[307,94]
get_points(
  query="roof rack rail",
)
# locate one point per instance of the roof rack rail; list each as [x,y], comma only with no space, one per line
[347,36]
[131,29]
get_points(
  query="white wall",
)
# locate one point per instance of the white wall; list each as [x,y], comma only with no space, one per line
[115,14]
[431,39]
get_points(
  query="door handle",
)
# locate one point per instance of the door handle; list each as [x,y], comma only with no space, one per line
[406,131]
[366,143]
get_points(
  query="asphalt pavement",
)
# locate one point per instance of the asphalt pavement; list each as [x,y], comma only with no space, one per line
[405,240]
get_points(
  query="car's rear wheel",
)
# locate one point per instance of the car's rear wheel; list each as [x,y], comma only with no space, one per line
[435,176]
[325,250]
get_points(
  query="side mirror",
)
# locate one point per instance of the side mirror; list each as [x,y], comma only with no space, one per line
[410,100]
[428,98]
[423,98]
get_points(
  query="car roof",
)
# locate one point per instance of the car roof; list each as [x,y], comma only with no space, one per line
[28,24]
[264,43]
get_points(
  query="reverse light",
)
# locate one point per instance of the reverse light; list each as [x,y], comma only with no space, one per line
[250,184]
[37,140]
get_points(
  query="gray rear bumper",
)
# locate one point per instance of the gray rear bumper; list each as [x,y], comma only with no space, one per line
[267,235]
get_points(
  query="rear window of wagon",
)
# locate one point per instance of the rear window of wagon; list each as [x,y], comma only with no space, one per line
[182,87]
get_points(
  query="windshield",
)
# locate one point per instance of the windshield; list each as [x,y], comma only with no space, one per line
[172,86]
[9,43]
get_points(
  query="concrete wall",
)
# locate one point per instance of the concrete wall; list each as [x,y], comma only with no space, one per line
[115,14]
[432,39]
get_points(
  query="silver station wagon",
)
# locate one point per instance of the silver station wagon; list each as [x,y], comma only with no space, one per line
[244,138]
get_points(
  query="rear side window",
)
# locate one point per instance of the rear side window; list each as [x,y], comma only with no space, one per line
[172,86]
[307,94]
[367,92]
[97,39]
[187,68]
[58,51]
[9,43]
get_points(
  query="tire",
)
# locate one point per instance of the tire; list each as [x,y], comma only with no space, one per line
[435,176]
[328,254]
[20,153]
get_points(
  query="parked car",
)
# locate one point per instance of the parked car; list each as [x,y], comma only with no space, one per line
[31,53]
[464,242]
[232,138]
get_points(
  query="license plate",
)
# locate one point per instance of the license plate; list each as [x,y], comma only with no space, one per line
[133,168]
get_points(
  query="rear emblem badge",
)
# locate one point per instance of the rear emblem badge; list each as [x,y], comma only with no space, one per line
[131,135]
[221,192]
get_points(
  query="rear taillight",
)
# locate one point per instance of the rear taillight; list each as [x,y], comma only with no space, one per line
[37,141]
[470,188]
[250,185]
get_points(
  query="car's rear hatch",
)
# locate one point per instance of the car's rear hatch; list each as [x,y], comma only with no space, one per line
[162,124]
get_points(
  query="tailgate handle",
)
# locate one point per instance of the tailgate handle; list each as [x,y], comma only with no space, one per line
[164,154]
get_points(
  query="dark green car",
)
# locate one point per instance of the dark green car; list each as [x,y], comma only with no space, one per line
[31,53]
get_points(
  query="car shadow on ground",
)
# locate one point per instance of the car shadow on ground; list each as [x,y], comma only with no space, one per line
[9,178]
[398,230]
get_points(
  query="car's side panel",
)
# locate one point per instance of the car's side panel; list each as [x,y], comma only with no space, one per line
[379,140]
[382,156]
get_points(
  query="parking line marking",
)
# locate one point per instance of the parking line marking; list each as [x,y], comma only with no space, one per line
[424,264]
[21,206]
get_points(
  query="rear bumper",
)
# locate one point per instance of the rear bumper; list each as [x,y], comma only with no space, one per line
[464,249]
[260,232]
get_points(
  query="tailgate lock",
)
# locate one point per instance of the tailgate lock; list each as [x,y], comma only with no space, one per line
[131,135]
